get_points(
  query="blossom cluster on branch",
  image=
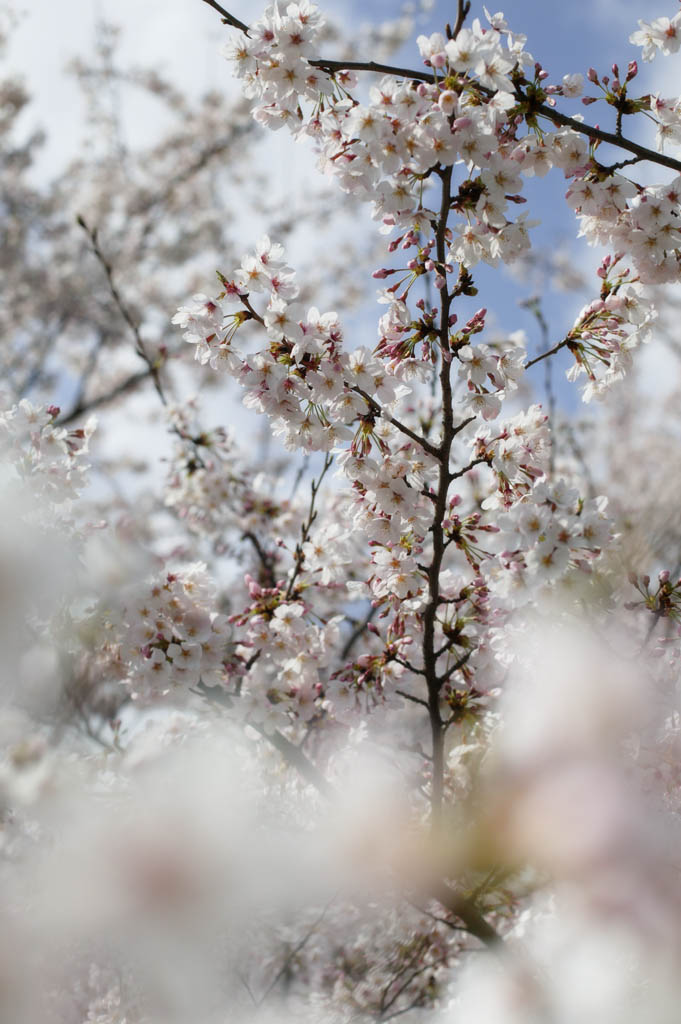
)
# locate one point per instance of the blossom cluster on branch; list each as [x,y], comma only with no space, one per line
[293,736]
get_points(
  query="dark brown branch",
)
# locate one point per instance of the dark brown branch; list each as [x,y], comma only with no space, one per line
[543,109]
[461,426]
[642,152]
[435,568]
[464,7]
[456,666]
[468,913]
[332,66]
[402,427]
[265,558]
[549,352]
[227,18]
[469,467]
[408,665]
[409,696]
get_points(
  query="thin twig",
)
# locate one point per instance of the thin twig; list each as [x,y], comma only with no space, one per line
[123,309]
[409,696]
[294,952]
[549,352]
[378,410]
[82,406]
[469,467]
[266,560]
[307,526]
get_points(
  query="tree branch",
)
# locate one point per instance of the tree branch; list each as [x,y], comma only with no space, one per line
[467,912]
[227,18]
[359,630]
[123,309]
[332,66]
[265,559]
[306,527]
[297,759]
[464,7]
[429,614]
[409,696]
[469,467]
[378,409]
[549,352]
[81,407]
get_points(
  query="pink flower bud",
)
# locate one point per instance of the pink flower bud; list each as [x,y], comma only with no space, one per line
[592,75]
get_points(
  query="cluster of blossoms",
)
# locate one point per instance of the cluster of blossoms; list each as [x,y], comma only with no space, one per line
[662,603]
[167,636]
[489,376]
[518,451]
[290,649]
[272,62]
[384,151]
[668,115]
[400,638]
[391,150]
[210,491]
[609,328]
[46,459]
[303,380]
[543,525]
[640,222]
[319,397]
[545,532]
